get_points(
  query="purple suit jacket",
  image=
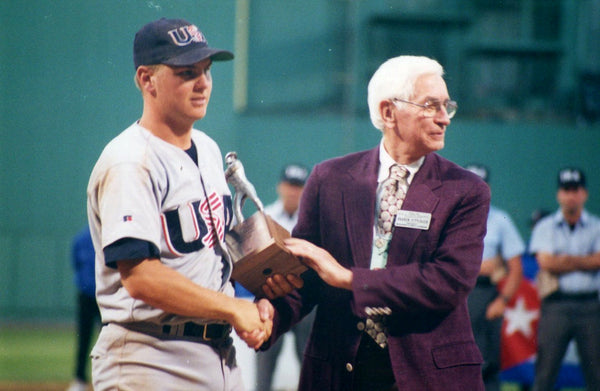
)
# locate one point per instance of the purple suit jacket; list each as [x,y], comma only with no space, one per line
[425,284]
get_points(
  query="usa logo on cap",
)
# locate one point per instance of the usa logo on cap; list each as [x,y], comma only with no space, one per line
[185,35]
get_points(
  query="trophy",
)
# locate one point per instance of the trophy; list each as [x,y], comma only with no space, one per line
[256,244]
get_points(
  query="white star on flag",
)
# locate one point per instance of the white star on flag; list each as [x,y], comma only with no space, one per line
[520,318]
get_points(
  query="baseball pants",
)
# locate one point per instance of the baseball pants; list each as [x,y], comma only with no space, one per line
[128,360]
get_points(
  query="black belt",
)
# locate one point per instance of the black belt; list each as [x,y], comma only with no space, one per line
[189,331]
[484,281]
[556,296]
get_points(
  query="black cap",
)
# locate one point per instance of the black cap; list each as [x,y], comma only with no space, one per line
[571,178]
[480,170]
[173,42]
[294,174]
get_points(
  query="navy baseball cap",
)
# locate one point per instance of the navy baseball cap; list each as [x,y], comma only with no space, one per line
[294,174]
[173,42]
[571,178]
[480,170]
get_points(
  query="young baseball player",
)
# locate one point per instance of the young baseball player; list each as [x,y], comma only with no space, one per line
[158,210]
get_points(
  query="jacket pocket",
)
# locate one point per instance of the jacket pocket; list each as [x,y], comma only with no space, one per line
[456,354]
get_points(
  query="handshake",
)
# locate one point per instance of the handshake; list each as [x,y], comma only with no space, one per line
[253,322]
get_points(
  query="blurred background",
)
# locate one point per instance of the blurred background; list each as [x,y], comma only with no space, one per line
[525,73]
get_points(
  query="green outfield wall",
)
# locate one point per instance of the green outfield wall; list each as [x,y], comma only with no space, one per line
[296,92]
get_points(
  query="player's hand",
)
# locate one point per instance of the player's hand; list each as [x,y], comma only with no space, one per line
[253,339]
[248,324]
[326,266]
[279,286]
[266,311]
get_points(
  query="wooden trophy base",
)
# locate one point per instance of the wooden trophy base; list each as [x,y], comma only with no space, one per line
[257,251]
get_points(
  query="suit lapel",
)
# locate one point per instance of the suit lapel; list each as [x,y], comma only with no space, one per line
[358,200]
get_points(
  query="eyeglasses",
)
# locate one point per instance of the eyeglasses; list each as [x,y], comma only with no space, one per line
[432,107]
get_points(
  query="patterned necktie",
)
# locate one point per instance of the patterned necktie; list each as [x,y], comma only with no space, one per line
[392,195]
[390,202]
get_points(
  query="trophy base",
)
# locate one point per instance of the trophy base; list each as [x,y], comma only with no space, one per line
[257,250]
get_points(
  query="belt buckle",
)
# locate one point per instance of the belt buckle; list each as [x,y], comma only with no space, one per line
[204,337]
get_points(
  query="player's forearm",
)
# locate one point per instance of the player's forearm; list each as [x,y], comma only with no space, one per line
[162,287]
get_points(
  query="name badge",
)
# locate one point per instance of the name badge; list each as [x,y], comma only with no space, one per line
[414,220]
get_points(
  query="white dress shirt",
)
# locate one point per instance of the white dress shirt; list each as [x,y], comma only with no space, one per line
[379,254]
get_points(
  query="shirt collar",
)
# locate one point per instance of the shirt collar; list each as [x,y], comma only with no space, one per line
[386,161]
[560,219]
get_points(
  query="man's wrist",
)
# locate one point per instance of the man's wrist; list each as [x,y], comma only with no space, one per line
[346,282]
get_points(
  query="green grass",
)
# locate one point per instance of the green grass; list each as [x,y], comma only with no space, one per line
[30,354]
[36,354]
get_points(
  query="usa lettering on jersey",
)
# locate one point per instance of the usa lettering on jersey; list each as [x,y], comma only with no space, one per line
[209,213]
[202,221]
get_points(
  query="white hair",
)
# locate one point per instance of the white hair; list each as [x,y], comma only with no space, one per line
[396,78]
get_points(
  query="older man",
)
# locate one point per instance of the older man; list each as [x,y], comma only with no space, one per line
[395,237]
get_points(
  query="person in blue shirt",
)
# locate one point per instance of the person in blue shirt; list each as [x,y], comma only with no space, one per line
[530,265]
[501,260]
[567,247]
[88,315]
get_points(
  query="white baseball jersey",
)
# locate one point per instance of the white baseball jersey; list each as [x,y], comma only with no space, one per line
[145,188]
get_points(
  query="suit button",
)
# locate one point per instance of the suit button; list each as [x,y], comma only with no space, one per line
[360,326]
[349,367]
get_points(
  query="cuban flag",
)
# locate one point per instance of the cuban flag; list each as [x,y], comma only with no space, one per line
[519,341]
